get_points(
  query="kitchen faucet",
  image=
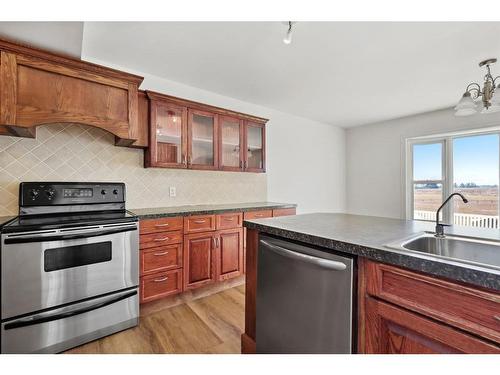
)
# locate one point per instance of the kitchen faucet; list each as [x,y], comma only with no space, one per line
[440,227]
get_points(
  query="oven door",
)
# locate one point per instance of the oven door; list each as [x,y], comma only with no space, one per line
[44,269]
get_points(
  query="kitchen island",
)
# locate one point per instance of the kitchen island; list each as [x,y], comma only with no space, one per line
[449,306]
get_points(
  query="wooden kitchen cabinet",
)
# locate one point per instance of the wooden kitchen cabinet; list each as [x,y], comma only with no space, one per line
[254,147]
[229,253]
[162,258]
[231,139]
[202,143]
[199,223]
[39,87]
[187,134]
[160,285]
[168,135]
[393,330]
[402,311]
[199,259]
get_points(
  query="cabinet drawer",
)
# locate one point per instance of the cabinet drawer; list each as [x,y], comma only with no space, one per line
[257,214]
[229,220]
[469,308]
[160,225]
[284,212]
[161,258]
[147,241]
[199,223]
[160,285]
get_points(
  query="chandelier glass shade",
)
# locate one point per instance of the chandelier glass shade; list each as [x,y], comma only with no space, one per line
[485,99]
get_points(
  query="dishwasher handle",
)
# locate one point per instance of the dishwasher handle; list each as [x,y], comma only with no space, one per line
[320,262]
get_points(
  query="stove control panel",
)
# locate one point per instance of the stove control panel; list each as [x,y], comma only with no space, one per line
[70,193]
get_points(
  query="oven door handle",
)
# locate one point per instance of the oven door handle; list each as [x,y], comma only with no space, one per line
[60,237]
[44,317]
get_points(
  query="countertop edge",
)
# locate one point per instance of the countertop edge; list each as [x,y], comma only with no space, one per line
[185,211]
[441,268]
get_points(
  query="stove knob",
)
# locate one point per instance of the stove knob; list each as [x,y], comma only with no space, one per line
[115,192]
[50,194]
[34,193]
[103,192]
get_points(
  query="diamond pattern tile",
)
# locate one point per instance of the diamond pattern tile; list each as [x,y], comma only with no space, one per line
[74,152]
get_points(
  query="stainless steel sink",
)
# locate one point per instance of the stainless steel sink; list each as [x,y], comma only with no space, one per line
[469,250]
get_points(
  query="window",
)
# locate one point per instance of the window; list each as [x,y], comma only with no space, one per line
[468,164]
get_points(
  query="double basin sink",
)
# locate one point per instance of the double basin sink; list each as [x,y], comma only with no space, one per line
[469,250]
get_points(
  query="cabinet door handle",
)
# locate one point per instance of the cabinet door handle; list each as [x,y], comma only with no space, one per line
[213,242]
[161,279]
[245,164]
[160,254]
[162,225]
[241,164]
[183,159]
[189,159]
[201,221]
[162,239]
[217,241]
[497,317]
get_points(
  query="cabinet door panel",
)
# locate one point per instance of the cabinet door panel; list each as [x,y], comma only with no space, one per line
[198,260]
[393,330]
[202,140]
[230,144]
[255,147]
[168,137]
[160,285]
[230,253]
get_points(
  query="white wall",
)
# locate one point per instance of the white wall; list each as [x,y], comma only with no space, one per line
[305,158]
[375,158]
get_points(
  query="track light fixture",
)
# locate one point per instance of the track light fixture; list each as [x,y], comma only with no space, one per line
[288,37]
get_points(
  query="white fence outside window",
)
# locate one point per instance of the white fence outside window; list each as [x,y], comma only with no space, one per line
[468,220]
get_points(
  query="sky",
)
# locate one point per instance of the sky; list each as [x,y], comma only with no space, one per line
[475,159]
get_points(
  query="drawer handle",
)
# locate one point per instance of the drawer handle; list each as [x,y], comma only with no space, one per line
[162,225]
[229,218]
[259,215]
[162,239]
[161,280]
[199,221]
[160,254]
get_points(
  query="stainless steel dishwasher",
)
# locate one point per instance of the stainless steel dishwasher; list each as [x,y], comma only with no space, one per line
[304,299]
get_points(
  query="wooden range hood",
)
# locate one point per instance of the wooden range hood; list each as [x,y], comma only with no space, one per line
[39,87]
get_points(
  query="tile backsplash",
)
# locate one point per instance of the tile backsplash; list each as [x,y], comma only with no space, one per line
[74,152]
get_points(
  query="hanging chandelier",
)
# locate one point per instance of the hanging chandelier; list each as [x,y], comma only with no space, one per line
[489,94]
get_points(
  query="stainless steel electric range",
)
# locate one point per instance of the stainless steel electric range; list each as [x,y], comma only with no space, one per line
[69,267]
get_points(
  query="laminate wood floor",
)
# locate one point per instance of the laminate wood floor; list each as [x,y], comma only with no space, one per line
[211,324]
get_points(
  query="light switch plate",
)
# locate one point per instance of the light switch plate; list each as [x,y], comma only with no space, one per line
[172,191]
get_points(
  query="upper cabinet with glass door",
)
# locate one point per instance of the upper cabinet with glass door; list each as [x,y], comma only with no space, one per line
[255,147]
[230,147]
[168,135]
[186,134]
[202,140]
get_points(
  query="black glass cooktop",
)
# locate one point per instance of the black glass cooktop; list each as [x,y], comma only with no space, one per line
[52,221]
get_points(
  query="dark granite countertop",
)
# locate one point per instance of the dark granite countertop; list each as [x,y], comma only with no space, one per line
[367,236]
[152,213]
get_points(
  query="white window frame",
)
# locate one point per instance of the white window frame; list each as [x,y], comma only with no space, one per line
[446,169]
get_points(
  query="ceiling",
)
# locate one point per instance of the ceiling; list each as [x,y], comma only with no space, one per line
[62,37]
[341,73]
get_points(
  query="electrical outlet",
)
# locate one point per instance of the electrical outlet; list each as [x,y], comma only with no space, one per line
[172,191]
